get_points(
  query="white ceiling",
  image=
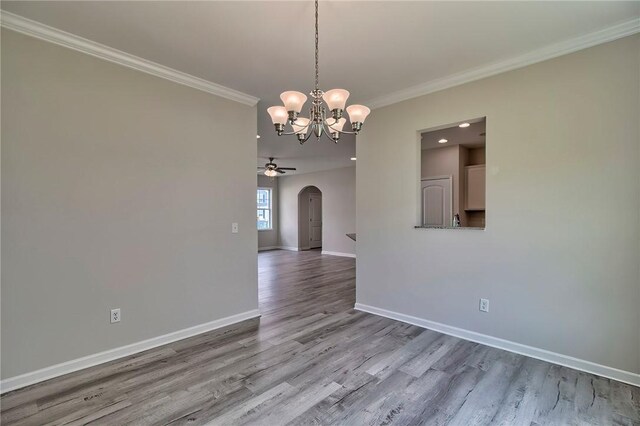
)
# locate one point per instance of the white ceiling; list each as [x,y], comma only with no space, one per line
[372,49]
[474,135]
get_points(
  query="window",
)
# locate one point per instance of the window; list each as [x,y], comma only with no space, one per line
[264,209]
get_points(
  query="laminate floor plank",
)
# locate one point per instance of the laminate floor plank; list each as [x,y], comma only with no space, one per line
[311,359]
[299,403]
[519,406]
[483,402]
[251,410]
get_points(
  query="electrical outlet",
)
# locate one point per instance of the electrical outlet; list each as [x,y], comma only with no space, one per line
[234,228]
[484,305]
[115,315]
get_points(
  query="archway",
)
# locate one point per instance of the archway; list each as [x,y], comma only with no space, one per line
[309,218]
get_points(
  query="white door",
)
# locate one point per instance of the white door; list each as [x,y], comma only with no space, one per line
[315,220]
[436,201]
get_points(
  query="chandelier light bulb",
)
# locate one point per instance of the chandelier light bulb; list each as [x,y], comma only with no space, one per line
[358,113]
[336,98]
[278,114]
[336,127]
[300,126]
[293,101]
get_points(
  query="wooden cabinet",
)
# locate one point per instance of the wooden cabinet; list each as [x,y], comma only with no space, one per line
[474,187]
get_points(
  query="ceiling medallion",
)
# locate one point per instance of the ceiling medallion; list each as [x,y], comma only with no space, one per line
[317,124]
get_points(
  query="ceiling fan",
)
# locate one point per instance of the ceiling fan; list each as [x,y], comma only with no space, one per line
[271,169]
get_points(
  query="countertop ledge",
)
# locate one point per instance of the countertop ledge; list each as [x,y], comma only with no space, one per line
[470,228]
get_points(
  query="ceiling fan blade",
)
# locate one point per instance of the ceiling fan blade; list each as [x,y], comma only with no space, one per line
[286,168]
[280,171]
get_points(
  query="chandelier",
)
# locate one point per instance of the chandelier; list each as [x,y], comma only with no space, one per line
[318,123]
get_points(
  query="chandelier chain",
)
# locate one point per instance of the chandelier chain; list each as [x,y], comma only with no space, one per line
[317,72]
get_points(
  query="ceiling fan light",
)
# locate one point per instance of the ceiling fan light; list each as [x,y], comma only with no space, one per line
[300,126]
[270,173]
[278,114]
[293,101]
[336,98]
[358,113]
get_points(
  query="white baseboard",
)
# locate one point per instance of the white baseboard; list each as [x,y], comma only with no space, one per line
[507,345]
[337,253]
[332,253]
[47,373]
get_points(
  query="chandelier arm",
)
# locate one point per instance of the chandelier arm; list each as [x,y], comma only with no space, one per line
[344,132]
[295,133]
[308,124]
[327,133]
[328,127]
[299,131]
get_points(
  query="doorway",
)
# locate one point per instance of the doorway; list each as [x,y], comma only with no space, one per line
[436,201]
[309,218]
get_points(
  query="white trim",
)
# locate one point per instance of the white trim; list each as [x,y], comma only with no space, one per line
[289,248]
[47,373]
[53,35]
[331,253]
[337,253]
[507,345]
[440,176]
[63,38]
[614,32]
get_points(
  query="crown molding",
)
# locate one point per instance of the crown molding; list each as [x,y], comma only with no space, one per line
[53,35]
[615,32]
[44,32]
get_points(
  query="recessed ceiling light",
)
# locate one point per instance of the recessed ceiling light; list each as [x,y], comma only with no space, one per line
[463,125]
[257,136]
[443,141]
[353,158]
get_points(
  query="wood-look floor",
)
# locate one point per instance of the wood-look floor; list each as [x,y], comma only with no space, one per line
[312,360]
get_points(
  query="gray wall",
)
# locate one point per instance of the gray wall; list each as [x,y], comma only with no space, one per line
[559,258]
[116,193]
[338,207]
[269,238]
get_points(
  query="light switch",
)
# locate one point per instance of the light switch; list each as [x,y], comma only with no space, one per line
[234,228]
